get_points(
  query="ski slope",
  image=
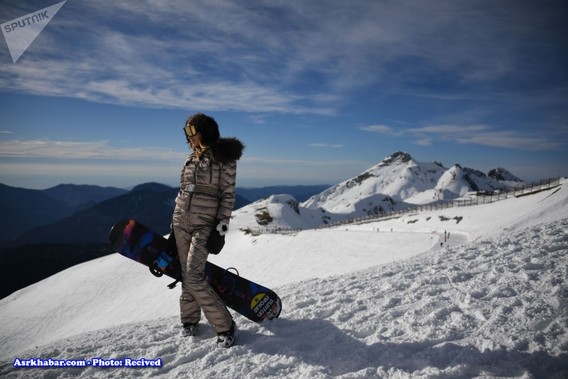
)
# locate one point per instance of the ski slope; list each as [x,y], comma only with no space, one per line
[382,299]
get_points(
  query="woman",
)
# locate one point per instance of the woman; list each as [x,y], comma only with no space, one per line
[202,212]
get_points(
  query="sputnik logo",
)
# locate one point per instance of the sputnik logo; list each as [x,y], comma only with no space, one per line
[21,32]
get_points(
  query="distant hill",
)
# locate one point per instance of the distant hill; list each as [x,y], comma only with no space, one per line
[501,174]
[82,196]
[150,203]
[299,192]
[47,249]
[22,209]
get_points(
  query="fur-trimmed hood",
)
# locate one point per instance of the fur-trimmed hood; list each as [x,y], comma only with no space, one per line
[227,150]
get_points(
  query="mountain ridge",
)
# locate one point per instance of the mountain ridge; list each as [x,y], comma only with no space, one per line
[397,182]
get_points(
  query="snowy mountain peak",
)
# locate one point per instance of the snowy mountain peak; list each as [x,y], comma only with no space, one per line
[397,161]
[381,188]
[501,174]
[452,184]
[398,157]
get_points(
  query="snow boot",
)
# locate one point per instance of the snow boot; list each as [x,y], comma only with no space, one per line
[189,330]
[226,339]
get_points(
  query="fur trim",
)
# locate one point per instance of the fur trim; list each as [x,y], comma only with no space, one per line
[227,150]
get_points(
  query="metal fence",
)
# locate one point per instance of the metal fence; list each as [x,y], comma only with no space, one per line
[477,198]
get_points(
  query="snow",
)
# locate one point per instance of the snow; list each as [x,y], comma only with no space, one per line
[378,299]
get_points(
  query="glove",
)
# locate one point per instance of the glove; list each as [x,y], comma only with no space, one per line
[216,239]
[215,242]
[222,228]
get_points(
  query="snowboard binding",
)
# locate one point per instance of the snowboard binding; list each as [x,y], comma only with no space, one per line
[161,264]
[165,263]
[228,284]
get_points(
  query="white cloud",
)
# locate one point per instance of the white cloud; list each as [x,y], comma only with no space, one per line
[510,139]
[450,129]
[327,145]
[228,55]
[423,142]
[382,129]
[470,134]
[41,174]
[82,150]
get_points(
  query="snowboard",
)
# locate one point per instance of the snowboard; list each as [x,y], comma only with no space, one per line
[139,243]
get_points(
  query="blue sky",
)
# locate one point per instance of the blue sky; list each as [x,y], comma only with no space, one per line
[318,91]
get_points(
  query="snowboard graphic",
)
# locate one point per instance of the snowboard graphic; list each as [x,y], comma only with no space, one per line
[137,242]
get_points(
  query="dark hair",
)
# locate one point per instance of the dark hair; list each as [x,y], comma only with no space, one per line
[207,126]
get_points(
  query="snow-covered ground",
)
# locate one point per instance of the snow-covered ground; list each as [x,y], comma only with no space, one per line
[382,299]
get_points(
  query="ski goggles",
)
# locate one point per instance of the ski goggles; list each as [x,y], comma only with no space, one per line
[190,130]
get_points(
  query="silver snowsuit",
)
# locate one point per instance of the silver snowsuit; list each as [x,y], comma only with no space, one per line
[206,196]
